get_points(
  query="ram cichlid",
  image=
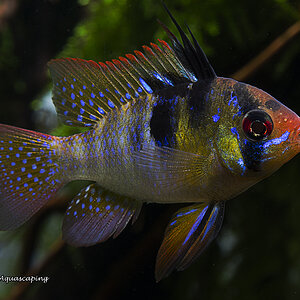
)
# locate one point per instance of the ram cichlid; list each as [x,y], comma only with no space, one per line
[162,128]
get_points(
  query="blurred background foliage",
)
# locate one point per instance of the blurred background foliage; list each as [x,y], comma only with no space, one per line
[257,253]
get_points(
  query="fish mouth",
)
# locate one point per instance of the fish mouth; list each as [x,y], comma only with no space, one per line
[296,137]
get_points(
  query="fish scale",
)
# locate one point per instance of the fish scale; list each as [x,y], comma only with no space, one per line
[162,128]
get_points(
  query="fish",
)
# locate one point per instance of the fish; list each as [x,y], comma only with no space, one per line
[161,127]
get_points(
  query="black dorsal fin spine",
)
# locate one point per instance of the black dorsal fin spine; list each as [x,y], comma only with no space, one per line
[193,55]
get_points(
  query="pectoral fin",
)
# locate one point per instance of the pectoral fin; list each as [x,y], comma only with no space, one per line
[95,214]
[172,169]
[190,231]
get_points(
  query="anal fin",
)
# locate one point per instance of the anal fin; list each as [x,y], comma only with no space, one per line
[95,214]
[190,231]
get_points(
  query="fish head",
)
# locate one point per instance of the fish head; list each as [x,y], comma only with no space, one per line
[271,129]
[260,133]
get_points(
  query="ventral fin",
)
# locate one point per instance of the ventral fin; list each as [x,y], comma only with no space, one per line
[84,91]
[190,231]
[171,168]
[96,214]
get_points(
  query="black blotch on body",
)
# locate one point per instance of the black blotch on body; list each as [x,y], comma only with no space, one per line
[160,123]
[197,102]
[164,122]
[273,105]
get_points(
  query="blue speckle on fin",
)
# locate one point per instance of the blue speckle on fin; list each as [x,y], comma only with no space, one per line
[145,85]
[101,219]
[110,104]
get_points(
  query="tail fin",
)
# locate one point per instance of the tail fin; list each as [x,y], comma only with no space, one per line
[29,174]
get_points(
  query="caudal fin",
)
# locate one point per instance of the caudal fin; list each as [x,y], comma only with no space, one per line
[29,174]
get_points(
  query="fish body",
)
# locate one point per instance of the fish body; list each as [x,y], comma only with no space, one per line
[162,128]
[108,153]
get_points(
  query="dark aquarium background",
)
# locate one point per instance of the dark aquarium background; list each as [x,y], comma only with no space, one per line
[257,253]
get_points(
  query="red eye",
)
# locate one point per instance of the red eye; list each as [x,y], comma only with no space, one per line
[257,125]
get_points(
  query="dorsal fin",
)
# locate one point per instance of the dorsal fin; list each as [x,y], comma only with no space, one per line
[84,91]
[192,57]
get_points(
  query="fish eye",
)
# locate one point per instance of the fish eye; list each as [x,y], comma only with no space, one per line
[257,125]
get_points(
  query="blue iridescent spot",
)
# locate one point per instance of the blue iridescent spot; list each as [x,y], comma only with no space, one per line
[64,89]
[23,169]
[13,163]
[169,82]
[234,131]
[29,175]
[107,207]
[42,171]
[110,104]
[74,79]
[93,117]
[80,93]
[33,166]
[101,111]
[101,94]
[91,207]
[66,112]
[91,102]
[79,118]
[277,141]
[72,86]
[19,179]
[73,96]
[73,105]
[25,184]
[97,209]
[84,87]
[216,118]
[82,102]
[81,110]
[82,205]
[157,76]
[21,148]
[139,90]
[127,96]
[92,95]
